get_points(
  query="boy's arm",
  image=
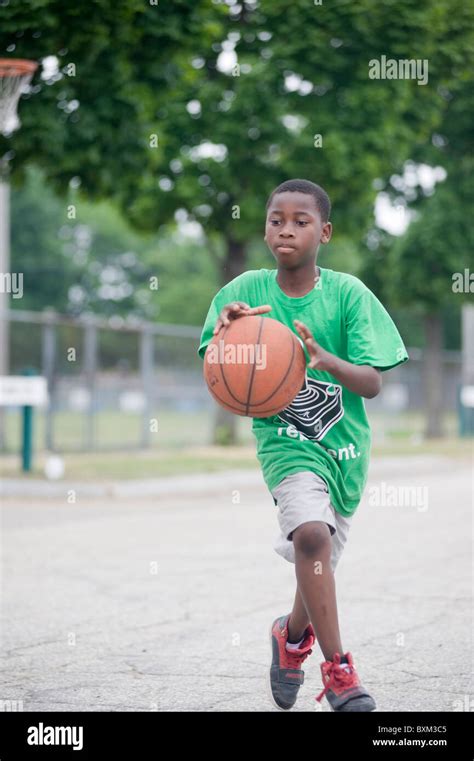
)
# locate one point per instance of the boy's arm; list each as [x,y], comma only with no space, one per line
[361,379]
[227,305]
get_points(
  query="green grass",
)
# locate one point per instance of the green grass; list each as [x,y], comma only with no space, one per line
[154,464]
[142,464]
[114,429]
[118,429]
[181,444]
[459,449]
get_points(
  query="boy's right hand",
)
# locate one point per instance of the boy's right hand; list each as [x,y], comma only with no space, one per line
[237,309]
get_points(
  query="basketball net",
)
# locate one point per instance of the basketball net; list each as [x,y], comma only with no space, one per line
[15,76]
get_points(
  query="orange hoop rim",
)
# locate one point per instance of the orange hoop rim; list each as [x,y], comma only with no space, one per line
[14,67]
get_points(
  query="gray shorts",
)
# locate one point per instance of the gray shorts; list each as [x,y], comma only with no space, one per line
[303,497]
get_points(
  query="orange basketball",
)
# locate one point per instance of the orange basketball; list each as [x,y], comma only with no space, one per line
[255,366]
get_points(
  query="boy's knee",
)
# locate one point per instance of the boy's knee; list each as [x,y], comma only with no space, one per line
[312,538]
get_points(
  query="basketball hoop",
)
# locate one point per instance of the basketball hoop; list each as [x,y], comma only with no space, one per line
[15,75]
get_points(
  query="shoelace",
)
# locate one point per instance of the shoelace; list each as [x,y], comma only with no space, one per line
[296,659]
[338,677]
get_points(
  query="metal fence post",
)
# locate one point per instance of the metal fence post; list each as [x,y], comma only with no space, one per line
[27,430]
[146,372]
[4,295]
[90,367]
[48,362]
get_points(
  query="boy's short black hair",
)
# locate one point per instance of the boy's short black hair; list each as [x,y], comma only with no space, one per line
[320,196]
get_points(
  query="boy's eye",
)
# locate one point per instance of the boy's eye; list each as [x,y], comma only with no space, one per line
[298,222]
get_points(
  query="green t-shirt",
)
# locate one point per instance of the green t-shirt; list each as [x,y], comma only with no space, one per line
[325,429]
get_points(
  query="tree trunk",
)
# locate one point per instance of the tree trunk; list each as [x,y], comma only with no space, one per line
[225,423]
[433,375]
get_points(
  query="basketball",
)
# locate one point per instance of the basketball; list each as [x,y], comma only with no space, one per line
[255,366]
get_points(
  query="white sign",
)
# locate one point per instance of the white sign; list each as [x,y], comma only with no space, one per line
[467,396]
[21,390]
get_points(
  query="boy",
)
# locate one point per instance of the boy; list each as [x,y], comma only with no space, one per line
[315,453]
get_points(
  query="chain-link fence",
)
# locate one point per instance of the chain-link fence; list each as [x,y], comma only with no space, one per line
[113,384]
[116,384]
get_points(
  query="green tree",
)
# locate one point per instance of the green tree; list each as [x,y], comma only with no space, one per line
[224,138]
[100,263]
[418,270]
[103,264]
[159,123]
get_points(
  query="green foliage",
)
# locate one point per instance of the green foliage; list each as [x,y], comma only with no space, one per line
[73,265]
[437,245]
[137,69]
[138,66]
[418,268]
[37,250]
[97,263]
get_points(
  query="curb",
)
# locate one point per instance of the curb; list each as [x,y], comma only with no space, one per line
[153,487]
[201,483]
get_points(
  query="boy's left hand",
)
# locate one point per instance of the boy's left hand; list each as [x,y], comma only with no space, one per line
[319,357]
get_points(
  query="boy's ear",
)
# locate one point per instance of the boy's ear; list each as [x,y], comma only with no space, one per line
[326,232]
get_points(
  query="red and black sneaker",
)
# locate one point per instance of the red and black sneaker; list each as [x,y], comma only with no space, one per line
[342,686]
[286,675]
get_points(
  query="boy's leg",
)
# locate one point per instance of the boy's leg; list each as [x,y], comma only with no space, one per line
[299,619]
[316,584]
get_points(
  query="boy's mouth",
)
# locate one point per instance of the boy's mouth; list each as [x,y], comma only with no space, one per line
[285,249]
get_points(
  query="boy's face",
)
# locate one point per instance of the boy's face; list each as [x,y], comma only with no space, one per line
[294,229]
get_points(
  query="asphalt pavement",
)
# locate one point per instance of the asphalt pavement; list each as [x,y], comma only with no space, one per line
[160,598]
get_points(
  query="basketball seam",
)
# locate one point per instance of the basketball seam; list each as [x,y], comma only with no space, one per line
[293,345]
[224,378]
[252,374]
